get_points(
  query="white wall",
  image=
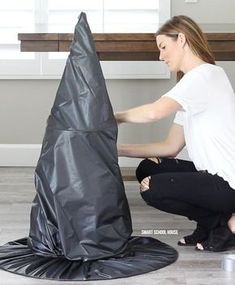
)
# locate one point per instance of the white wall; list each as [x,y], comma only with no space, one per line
[206,11]
[25,104]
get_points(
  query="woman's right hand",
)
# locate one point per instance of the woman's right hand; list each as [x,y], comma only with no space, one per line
[120,150]
[118,118]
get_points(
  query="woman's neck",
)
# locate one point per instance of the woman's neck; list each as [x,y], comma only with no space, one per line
[190,61]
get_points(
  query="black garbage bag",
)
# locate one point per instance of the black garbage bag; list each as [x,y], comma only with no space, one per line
[80,207]
[80,225]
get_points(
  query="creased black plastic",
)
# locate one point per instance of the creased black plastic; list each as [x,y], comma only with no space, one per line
[80,225]
[146,254]
[80,207]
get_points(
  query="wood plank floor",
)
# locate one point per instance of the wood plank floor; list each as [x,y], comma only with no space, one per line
[192,268]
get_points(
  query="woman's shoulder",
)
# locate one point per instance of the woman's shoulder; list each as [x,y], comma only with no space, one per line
[206,67]
[211,67]
[213,72]
[205,72]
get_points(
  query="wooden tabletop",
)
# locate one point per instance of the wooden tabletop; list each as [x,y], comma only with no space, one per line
[124,46]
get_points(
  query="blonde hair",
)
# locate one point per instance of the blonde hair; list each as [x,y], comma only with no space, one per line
[195,38]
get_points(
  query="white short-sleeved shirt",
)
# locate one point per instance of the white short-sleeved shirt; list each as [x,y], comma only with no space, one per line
[208,119]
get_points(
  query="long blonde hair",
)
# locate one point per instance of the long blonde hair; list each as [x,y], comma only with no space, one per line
[194,37]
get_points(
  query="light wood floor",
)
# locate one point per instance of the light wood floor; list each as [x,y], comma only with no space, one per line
[192,268]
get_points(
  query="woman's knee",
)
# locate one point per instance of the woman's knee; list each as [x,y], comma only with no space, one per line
[146,196]
[141,170]
[153,188]
[147,167]
[150,199]
[148,191]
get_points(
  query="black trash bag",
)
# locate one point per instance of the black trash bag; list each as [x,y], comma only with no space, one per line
[80,207]
[80,220]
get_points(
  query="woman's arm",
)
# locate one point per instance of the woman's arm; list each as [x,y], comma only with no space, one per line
[155,111]
[169,147]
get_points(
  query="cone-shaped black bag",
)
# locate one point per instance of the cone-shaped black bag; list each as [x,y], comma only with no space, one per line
[80,221]
[80,208]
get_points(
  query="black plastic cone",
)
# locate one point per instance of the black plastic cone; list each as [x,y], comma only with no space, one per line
[80,208]
[80,221]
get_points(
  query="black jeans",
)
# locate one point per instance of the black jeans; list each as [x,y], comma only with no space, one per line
[177,187]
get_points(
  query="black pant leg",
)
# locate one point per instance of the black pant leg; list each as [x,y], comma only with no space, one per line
[148,167]
[202,197]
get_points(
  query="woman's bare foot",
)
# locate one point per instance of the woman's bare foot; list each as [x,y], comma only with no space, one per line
[198,235]
[231,227]
[182,241]
[199,246]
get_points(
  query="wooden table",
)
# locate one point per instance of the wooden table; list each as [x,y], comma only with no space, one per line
[123,46]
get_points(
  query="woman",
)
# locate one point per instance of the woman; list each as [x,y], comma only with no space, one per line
[202,189]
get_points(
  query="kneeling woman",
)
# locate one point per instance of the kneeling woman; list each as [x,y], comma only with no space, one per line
[204,102]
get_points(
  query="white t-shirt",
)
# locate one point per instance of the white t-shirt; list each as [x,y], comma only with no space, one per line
[208,119]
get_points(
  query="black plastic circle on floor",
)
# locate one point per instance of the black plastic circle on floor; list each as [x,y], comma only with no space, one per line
[147,254]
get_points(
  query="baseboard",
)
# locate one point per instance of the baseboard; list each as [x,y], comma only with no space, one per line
[28,154]
[19,154]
